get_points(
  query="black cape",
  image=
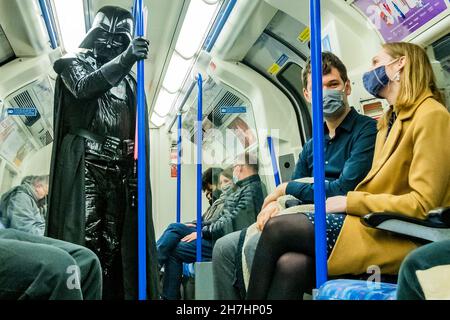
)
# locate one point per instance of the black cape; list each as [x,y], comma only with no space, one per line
[66,213]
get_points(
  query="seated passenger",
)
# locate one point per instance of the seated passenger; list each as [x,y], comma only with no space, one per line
[20,206]
[239,211]
[40,268]
[214,180]
[349,143]
[425,273]
[410,176]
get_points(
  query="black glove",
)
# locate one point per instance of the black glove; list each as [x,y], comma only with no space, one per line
[137,50]
[115,70]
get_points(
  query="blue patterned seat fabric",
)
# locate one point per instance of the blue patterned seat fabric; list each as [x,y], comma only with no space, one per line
[188,270]
[356,290]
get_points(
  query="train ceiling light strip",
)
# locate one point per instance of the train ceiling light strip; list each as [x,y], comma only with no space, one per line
[71,21]
[209,44]
[196,24]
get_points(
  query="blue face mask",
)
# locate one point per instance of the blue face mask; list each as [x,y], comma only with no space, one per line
[333,102]
[377,79]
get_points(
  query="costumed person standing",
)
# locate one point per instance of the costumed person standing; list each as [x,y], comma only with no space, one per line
[93,193]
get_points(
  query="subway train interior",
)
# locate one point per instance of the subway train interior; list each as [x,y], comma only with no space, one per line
[109,189]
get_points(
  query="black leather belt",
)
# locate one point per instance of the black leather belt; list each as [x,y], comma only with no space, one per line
[112,146]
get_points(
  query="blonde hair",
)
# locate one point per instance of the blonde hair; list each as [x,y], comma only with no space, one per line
[417,76]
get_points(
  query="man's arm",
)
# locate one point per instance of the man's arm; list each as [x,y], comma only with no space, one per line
[87,84]
[24,215]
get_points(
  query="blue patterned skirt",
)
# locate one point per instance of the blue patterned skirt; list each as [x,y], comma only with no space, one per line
[335,221]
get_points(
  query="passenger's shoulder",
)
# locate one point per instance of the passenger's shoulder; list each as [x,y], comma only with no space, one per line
[430,109]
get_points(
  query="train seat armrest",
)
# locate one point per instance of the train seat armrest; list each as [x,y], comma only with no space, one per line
[435,228]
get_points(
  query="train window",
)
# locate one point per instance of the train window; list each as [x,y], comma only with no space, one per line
[229,126]
[6,52]
[70,17]
[291,78]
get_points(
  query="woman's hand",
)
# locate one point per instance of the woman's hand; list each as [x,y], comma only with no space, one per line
[190,237]
[269,212]
[336,204]
[278,192]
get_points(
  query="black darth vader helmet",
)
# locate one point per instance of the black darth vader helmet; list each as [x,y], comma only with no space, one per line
[111,32]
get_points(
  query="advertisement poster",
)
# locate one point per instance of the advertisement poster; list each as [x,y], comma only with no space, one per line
[173,161]
[397,19]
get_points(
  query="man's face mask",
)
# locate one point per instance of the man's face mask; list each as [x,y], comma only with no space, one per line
[108,46]
[377,79]
[333,102]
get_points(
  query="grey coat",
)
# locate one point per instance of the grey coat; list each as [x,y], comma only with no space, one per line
[19,210]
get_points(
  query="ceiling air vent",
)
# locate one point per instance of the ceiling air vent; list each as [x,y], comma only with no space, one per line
[228,100]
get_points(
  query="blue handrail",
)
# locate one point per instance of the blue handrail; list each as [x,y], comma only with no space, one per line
[48,23]
[273,157]
[199,166]
[179,141]
[142,163]
[318,145]
[219,26]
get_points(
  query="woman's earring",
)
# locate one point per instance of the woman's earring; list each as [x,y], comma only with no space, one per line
[397,77]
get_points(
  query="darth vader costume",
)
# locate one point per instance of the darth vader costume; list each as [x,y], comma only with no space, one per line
[93,196]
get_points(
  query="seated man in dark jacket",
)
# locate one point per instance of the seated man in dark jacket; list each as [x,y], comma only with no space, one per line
[239,211]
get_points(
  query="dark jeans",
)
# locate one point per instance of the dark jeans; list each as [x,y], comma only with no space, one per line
[170,239]
[35,267]
[423,259]
[172,254]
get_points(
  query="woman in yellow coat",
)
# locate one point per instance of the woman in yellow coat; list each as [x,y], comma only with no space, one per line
[410,175]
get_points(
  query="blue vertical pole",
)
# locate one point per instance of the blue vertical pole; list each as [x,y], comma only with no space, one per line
[273,157]
[199,166]
[48,23]
[179,168]
[142,163]
[318,145]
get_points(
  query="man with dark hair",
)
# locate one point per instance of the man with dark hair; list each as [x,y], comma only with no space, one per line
[349,146]
[210,184]
[93,197]
[19,207]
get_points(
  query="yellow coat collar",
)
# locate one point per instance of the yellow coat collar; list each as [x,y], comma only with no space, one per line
[408,112]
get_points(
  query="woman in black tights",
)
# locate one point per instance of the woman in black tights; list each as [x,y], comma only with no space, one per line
[283,267]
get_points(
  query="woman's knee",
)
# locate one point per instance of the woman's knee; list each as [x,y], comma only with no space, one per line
[292,263]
